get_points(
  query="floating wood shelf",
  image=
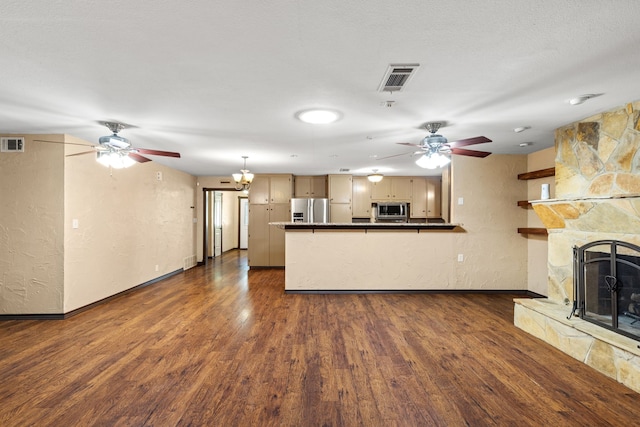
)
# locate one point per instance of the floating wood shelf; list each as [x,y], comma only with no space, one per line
[542,173]
[542,231]
[524,203]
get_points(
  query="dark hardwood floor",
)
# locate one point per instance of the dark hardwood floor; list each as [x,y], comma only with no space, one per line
[224,346]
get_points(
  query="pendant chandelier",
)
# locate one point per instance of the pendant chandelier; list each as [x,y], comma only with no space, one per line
[243,180]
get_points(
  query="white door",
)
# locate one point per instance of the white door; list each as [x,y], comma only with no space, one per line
[217,224]
[244,223]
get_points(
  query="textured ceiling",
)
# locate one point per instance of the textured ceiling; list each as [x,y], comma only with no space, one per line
[218,80]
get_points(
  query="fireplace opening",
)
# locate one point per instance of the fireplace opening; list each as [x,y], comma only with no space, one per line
[607,285]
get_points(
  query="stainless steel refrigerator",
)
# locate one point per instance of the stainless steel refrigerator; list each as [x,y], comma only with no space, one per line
[310,210]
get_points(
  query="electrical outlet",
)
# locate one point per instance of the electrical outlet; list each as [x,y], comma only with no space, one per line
[159,176]
[460,200]
[460,257]
[157,267]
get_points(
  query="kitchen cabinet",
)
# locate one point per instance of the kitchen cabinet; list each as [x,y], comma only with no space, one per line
[434,191]
[340,189]
[340,192]
[271,189]
[392,188]
[361,196]
[266,242]
[340,212]
[311,186]
[418,198]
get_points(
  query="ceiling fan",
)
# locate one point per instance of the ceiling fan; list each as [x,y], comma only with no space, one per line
[116,151]
[435,150]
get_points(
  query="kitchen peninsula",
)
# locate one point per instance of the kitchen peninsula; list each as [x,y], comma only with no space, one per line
[369,256]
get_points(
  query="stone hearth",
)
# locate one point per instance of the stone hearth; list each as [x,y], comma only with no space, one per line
[598,197]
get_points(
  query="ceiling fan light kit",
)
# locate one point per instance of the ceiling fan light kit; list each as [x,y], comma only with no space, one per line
[433,160]
[243,180]
[114,159]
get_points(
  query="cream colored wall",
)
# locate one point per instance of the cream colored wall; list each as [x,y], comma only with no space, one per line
[132,227]
[128,222]
[537,244]
[495,255]
[230,220]
[31,228]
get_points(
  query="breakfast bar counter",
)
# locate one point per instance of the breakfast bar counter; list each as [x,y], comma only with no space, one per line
[352,257]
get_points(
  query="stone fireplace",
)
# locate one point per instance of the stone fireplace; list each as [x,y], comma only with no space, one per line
[597,200]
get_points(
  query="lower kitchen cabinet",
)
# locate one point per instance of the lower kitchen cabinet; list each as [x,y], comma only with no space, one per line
[266,242]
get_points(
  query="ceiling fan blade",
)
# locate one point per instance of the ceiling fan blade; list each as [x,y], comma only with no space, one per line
[472,153]
[157,152]
[410,144]
[65,143]
[402,154]
[138,158]
[469,141]
[80,154]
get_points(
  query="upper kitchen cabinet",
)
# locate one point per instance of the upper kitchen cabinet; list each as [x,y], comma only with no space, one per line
[267,189]
[418,198]
[340,189]
[396,188]
[311,186]
[361,197]
[434,191]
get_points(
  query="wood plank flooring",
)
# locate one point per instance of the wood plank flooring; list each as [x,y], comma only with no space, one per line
[224,346]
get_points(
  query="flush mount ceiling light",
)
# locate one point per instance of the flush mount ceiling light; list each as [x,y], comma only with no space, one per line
[319,116]
[375,176]
[433,160]
[243,180]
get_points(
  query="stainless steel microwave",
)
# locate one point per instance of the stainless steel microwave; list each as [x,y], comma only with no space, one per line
[391,210]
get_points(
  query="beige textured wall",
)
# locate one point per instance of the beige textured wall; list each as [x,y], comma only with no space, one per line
[495,255]
[129,223]
[31,228]
[537,244]
[230,220]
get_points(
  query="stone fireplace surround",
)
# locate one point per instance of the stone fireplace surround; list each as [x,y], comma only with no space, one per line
[597,198]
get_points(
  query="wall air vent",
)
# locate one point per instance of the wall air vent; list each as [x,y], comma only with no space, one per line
[12,144]
[397,77]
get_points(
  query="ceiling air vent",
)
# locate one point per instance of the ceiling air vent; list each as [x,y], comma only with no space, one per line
[397,77]
[12,144]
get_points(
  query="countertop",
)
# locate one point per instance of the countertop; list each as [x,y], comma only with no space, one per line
[365,226]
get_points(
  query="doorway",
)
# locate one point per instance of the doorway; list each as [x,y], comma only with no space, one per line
[222,219]
[243,239]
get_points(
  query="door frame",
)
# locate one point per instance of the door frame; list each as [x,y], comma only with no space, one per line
[206,192]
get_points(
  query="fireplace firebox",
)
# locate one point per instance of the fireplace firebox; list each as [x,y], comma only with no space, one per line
[607,285]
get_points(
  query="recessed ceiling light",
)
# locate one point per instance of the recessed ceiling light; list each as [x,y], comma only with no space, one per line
[319,116]
[521,129]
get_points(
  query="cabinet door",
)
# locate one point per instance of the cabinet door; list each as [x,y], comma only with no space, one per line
[361,197]
[280,189]
[419,198]
[258,250]
[434,189]
[259,191]
[302,186]
[381,190]
[340,212]
[401,188]
[340,189]
[278,212]
[319,186]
